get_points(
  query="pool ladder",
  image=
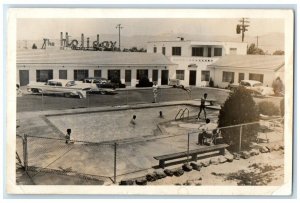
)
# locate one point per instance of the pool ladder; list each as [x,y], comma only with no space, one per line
[181,114]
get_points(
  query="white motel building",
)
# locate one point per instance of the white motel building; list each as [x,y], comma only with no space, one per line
[223,62]
[194,63]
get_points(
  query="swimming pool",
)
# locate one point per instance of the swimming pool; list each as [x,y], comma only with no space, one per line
[115,125]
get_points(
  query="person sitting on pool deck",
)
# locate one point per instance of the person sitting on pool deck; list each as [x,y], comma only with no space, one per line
[68,136]
[133,122]
[207,131]
[202,106]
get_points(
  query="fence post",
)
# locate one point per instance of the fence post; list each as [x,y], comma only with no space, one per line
[25,152]
[42,100]
[188,148]
[115,163]
[240,144]
[126,97]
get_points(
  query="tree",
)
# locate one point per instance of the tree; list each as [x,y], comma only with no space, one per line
[253,50]
[278,52]
[239,108]
[34,46]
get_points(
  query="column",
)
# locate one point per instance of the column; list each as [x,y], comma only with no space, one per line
[56,72]
[91,72]
[70,73]
[133,77]
[104,72]
[159,77]
[122,75]
[150,74]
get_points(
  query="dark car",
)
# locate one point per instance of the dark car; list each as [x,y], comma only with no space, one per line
[144,82]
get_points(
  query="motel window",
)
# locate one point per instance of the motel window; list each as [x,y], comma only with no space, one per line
[209,52]
[63,74]
[233,51]
[163,50]
[154,75]
[228,77]
[180,74]
[241,77]
[154,49]
[141,73]
[197,51]
[97,73]
[257,77]
[81,74]
[217,51]
[44,75]
[205,75]
[114,75]
[176,51]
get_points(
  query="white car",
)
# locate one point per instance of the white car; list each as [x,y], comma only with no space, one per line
[66,87]
[257,88]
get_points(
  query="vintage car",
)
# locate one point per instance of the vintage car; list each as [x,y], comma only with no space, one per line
[66,87]
[255,87]
[100,85]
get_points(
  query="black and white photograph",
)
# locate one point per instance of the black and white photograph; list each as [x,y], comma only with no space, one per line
[113,101]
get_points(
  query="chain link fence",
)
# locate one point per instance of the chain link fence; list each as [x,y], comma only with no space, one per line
[115,160]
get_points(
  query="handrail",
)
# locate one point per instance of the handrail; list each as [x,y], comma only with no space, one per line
[182,115]
[180,110]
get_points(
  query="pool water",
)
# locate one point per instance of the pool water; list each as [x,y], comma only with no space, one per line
[115,125]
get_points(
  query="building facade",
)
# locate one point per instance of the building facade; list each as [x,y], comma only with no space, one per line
[128,67]
[233,69]
[193,58]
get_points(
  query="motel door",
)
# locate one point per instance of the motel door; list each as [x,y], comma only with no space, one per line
[164,77]
[192,77]
[24,77]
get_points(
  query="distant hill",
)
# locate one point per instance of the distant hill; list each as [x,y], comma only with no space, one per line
[270,42]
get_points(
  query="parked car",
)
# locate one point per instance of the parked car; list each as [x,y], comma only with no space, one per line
[58,86]
[144,82]
[255,87]
[102,85]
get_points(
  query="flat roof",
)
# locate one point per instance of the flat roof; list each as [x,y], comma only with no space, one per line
[40,56]
[269,62]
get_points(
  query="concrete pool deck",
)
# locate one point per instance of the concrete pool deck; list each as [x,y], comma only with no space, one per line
[134,156]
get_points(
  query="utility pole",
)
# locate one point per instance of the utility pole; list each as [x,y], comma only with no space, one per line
[242,27]
[119,27]
[257,41]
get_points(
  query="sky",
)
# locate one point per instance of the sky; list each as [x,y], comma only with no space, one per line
[36,29]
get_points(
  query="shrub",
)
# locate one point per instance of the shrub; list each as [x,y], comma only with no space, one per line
[282,107]
[239,108]
[268,108]
[211,82]
[278,86]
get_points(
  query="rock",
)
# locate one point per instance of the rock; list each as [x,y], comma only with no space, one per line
[205,163]
[245,155]
[187,167]
[214,161]
[126,182]
[222,159]
[275,148]
[151,177]
[236,156]
[141,181]
[178,172]
[254,152]
[264,149]
[160,174]
[281,147]
[168,172]
[195,166]
[229,157]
